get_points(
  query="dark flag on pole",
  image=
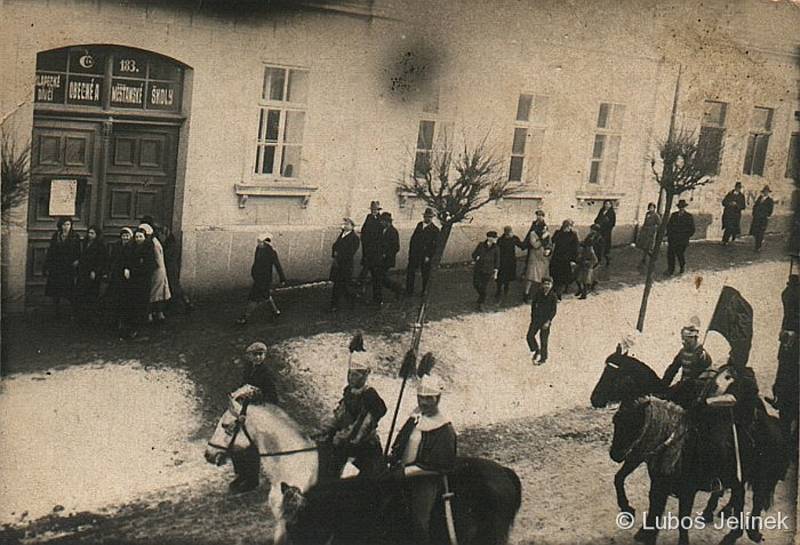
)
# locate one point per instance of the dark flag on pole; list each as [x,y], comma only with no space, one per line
[733,319]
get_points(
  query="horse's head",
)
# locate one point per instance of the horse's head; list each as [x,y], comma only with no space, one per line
[629,421]
[227,436]
[624,378]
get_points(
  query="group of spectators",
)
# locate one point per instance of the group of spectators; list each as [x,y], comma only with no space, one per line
[134,279]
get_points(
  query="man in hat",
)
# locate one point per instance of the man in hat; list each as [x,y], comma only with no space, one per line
[351,432]
[390,245]
[691,360]
[343,253]
[680,229]
[762,210]
[421,250]
[425,446]
[544,305]
[371,231]
[258,387]
[732,204]
[265,260]
[486,258]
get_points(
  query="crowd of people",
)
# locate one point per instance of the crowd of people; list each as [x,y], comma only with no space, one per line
[135,279]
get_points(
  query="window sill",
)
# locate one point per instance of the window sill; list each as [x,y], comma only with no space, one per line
[301,191]
[534,195]
[588,195]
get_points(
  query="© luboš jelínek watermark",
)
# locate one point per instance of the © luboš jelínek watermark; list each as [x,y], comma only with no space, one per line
[669,521]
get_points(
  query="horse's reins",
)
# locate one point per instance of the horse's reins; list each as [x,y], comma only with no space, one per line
[240,426]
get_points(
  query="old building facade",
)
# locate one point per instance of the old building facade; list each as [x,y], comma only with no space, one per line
[224,122]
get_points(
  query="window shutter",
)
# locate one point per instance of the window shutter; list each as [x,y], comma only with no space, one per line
[533,155]
[541,106]
[610,160]
[617,117]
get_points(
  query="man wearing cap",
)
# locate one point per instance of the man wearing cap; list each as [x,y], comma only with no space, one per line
[426,445]
[421,250]
[680,229]
[692,359]
[371,244]
[762,210]
[390,246]
[544,305]
[265,260]
[258,387]
[732,205]
[486,258]
[343,253]
[352,430]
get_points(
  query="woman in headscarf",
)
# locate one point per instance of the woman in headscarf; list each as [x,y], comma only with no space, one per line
[564,258]
[61,263]
[159,284]
[139,274]
[647,234]
[91,267]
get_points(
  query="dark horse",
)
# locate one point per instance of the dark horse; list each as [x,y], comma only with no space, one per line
[486,498]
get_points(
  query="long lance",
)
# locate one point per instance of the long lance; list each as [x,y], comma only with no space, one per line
[415,340]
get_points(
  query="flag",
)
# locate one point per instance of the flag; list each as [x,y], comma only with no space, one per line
[733,319]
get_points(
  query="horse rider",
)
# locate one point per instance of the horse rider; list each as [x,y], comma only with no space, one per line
[691,361]
[258,387]
[424,449]
[351,432]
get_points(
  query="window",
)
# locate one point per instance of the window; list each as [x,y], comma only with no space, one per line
[424,149]
[793,159]
[757,141]
[281,121]
[528,139]
[605,150]
[712,135]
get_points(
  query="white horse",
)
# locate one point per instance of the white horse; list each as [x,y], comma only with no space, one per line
[287,454]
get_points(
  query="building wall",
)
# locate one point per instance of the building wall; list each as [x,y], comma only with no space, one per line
[369,80]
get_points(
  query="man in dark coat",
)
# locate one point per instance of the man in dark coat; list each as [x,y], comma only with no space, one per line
[680,229]
[61,263]
[258,387]
[564,259]
[343,253]
[265,260]
[762,210]
[371,231]
[507,272]
[732,204]
[390,246]
[606,219]
[421,250]
[486,257]
[543,309]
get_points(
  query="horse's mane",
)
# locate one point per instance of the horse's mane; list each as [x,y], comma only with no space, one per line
[269,411]
[634,365]
[664,422]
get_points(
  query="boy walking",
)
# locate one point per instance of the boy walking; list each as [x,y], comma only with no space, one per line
[266,259]
[487,260]
[543,309]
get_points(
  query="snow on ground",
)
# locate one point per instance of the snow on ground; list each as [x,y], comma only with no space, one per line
[485,361]
[95,435]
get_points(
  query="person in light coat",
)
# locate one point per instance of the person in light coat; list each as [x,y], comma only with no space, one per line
[537,242]
[159,284]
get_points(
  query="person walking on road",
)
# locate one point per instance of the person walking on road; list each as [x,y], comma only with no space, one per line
[486,258]
[265,261]
[343,255]
[680,229]
[732,205]
[543,309]
[420,251]
[762,210]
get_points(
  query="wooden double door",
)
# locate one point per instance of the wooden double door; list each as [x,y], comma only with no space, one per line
[123,170]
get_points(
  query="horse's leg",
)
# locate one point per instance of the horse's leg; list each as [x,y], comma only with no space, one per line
[648,533]
[760,499]
[711,506]
[619,484]
[737,503]
[685,504]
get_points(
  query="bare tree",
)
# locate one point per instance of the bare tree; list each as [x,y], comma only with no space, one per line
[15,173]
[686,165]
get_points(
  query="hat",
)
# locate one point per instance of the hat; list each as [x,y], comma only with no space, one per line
[359,361]
[491,234]
[692,329]
[429,212]
[766,189]
[386,215]
[126,230]
[350,221]
[257,346]
[682,203]
[265,237]
[430,385]
[375,205]
[146,228]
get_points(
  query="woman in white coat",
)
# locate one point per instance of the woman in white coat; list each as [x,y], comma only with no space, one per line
[159,285]
[538,244]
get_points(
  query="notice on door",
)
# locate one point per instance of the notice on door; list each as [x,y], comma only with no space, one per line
[63,194]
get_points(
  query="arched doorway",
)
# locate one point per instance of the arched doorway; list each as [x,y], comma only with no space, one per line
[104,145]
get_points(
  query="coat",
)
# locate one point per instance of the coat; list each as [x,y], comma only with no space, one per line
[94,259]
[587,260]
[423,243]
[680,228]
[543,306]
[343,253]
[172,261]
[606,219]
[264,261]
[59,265]
[390,246]
[507,247]
[262,378]
[762,210]
[159,284]
[371,232]
[538,263]
[120,258]
[142,265]
[437,449]
[733,204]
[646,239]
[487,259]
[565,252]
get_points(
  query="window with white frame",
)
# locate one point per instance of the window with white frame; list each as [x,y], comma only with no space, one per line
[528,139]
[757,141]
[281,121]
[607,138]
[430,129]
[712,135]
